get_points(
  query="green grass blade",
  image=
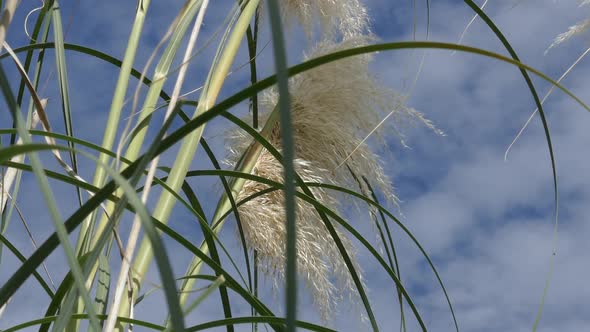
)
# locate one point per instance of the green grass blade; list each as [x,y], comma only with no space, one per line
[280,57]
[62,76]
[22,258]
[83,243]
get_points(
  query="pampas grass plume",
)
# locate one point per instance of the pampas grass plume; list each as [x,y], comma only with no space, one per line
[349,17]
[334,107]
[573,31]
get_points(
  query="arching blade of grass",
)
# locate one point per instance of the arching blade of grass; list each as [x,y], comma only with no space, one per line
[190,206]
[193,206]
[181,240]
[539,105]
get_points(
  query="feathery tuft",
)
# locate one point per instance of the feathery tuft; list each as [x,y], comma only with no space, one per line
[334,107]
[574,30]
[349,17]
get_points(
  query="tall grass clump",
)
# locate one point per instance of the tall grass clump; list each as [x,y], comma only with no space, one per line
[289,184]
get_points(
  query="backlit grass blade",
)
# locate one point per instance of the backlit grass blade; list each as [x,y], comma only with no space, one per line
[120,90]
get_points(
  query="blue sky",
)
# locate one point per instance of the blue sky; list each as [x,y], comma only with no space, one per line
[486,222]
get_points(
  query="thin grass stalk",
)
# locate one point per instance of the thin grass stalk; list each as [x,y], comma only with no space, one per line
[83,243]
[528,121]
[50,141]
[252,36]
[66,111]
[89,236]
[60,58]
[286,125]
[134,234]
[160,75]
[189,145]
[37,75]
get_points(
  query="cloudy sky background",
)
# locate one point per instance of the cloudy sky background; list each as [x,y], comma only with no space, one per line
[487,223]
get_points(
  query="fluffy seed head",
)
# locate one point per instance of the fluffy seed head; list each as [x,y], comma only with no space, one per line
[573,31]
[349,17]
[334,107]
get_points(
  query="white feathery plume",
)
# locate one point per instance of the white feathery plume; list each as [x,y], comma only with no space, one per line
[334,107]
[574,30]
[349,17]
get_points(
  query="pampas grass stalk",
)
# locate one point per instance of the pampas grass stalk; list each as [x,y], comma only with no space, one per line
[83,243]
[189,145]
[134,233]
